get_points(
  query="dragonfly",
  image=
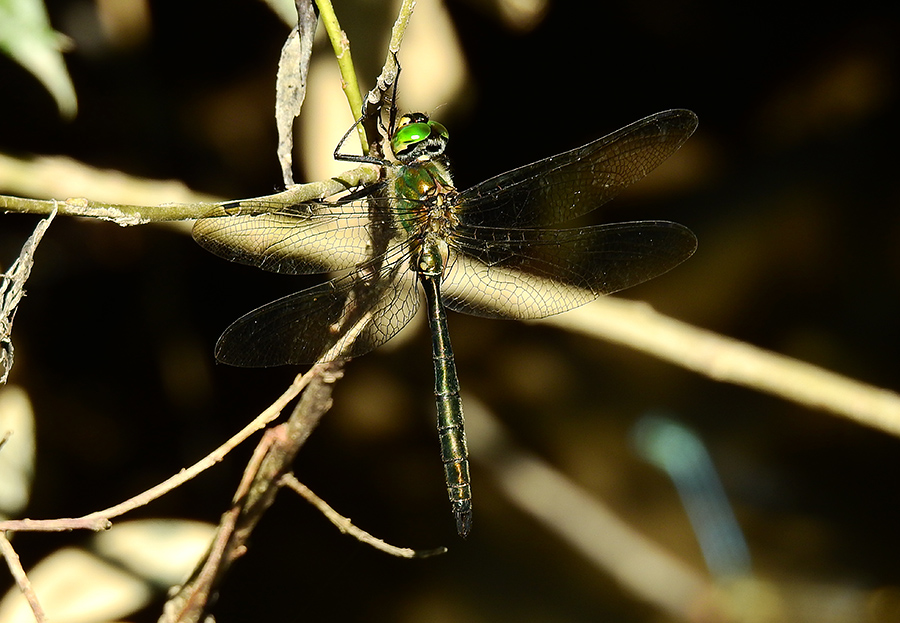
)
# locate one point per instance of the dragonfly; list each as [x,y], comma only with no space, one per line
[499,249]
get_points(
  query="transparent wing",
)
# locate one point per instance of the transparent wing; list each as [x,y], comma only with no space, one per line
[302,327]
[295,239]
[533,273]
[571,184]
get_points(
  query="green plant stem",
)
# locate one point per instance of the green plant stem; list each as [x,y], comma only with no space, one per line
[341,46]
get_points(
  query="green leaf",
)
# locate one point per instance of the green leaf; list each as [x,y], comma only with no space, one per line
[26,36]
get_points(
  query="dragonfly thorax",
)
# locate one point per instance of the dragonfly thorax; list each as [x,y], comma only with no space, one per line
[425,197]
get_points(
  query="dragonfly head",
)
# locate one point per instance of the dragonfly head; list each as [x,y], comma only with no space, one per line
[418,139]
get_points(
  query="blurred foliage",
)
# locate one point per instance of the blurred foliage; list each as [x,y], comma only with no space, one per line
[27,37]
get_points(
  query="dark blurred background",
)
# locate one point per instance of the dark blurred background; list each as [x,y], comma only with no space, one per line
[790,184]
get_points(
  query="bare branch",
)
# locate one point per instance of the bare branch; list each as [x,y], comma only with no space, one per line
[255,494]
[18,573]
[99,520]
[126,215]
[346,526]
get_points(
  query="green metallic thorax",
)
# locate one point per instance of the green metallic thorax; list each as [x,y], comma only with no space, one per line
[419,189]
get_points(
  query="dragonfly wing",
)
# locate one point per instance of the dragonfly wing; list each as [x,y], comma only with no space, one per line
[571,184]
[305,238]
[533,273]
[323,320]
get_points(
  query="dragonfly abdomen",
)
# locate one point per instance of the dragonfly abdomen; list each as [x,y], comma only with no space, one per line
[451,431]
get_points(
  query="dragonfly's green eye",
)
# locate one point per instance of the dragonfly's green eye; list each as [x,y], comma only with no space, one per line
[418,136]
[409,135]
[439,129]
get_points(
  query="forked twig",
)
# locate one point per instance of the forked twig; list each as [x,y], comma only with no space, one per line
[100,520]
[262,480]
[188,602]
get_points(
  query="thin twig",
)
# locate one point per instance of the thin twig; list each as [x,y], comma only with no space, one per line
[386,79]
[18,573]
[259,422]
[189,602]
[346,526]
[389,71]
[271,460]
[99,520]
